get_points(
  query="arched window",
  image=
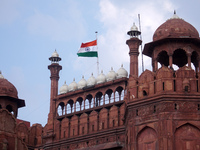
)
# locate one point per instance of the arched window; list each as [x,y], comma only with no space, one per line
[119,94]
[180,58]
[73,107]
[77,106]
[117,97]
[101,100]
[10,109]
[61,109]
[82,105]
[110,94]
[87,104]
[112,97]
[144,93]
[106,99]
[70,106]
[69,109]
[92,102]
[122,95]
[163,58]
[98,99]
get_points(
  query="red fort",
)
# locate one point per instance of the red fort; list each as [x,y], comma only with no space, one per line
[156,110]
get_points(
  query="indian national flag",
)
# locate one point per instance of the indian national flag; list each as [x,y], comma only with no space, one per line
[88,49]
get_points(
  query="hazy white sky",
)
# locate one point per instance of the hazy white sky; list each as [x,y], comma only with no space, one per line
[31,30]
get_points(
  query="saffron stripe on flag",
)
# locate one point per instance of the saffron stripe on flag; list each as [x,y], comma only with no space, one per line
[92,43]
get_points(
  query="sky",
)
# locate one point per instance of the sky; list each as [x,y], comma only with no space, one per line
[30,31]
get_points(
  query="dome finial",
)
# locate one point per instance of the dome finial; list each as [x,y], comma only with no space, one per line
[1,76]
[175,16]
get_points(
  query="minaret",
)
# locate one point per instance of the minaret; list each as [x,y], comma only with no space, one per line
[134,42]
[54,69]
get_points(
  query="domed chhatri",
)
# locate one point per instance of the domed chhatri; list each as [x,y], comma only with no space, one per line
[7,88]
[55,54]
[175,27]
[134,32]
[122,72]
[82,83]
[64,88]
[111,75]
[73,86]
[101,78]
[55,57]
[91,81]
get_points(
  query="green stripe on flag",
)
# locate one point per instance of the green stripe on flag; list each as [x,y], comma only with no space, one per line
[88,54]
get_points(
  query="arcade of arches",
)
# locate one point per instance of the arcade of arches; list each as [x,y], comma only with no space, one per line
[156,110]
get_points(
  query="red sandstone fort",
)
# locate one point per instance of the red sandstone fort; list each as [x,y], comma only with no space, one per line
[157,110]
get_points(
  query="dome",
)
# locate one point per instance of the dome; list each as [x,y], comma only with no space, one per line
[122,72]
[72,86]
[91,81]
[175,27]
[134,27]
[101,78]
[82,83]
[7,88]
[55,54]
[111,75]
[63,88]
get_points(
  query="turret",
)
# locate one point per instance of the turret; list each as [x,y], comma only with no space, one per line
[54,69]
[9,97]
[134,42]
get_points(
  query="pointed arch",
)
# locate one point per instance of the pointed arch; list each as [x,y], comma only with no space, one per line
[22,131]
[98,99]
[89,101]
[61,109]
[147,139]
[119,93]
[187,136]
[93,121]
[69,106]
[79,104]
[163,58]
[10,109]
[180,58]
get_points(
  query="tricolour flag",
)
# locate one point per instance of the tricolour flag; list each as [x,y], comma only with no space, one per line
[88,49]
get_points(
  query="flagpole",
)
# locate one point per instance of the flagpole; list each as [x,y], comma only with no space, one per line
[97,56]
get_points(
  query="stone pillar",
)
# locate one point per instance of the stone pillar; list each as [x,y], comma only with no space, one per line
[134,44]
[74,107]
[189,60]
[54,69]
[170,60]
